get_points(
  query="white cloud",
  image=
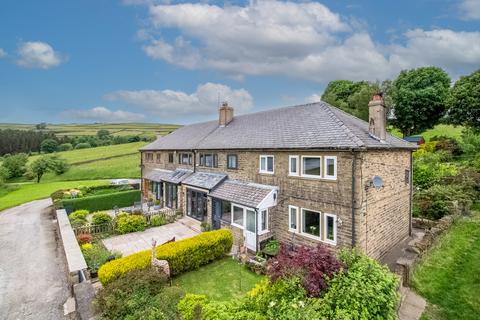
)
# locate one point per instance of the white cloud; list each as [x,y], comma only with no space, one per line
[173,103]
[103,114]
[38,54]
[470,9]
[313,98]
[303,40]
[3,53]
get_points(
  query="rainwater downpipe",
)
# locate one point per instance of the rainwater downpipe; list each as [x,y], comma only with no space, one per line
[354,160]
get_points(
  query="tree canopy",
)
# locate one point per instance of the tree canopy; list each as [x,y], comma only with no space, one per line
[420,98]
[350,96]
[464,102]
[49,145]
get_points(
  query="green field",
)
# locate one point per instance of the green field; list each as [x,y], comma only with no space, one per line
[87,167]
[91,154]
[438,130]
[116,129]
[119,167]
[33,191]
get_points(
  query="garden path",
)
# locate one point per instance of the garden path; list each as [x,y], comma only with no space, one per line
[138,241]
[33,277]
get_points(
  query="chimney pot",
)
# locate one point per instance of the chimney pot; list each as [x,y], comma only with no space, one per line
[377,127]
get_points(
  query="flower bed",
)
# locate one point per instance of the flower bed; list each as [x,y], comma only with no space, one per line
[360,289]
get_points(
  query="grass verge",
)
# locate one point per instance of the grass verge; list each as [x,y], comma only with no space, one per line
[220,280]
[35,191]
[448,276]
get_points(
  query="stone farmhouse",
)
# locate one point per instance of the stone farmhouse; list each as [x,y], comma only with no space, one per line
[304,175]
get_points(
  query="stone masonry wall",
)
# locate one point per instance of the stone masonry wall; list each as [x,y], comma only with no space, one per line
[383,219]
[381,215]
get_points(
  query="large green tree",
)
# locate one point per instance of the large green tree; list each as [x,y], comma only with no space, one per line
[40,166]
[15,164]
[350,96]
[420,98]
[464,101]
[49,146]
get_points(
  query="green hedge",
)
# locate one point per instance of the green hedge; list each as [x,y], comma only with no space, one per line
[103,202]
[184,255]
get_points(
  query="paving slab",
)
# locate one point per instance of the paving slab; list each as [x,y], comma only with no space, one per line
[139,241]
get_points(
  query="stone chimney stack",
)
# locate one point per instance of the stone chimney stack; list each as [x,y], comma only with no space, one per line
[377,118]
[225,114]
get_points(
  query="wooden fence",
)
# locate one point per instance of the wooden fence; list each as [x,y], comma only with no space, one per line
[170,216]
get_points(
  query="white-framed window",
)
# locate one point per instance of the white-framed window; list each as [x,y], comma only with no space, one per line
[293,166]
[266,164]
[330,165]
[237,216]
[263,223]
[311,223]
[293,219]
[330,228]
[312,166]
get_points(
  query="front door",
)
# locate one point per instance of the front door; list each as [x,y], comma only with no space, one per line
[249,232]
[171,195]
[216,213]
[196,204]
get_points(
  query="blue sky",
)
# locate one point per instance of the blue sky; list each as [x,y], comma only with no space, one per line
[171,62]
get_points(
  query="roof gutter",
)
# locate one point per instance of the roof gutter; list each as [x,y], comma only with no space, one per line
[354,160]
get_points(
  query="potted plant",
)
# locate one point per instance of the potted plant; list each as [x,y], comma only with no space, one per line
[156,205]
[271,248]
[149,202]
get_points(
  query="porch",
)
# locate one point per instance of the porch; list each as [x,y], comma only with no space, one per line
[216,201]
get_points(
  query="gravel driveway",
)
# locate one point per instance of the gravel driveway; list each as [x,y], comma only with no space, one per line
[33,282]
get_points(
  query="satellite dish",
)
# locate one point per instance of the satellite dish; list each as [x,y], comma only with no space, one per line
[377,182]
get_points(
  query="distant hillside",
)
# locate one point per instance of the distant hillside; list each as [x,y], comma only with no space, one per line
[116,129]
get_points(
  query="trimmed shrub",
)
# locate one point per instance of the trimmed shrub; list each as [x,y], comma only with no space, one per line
[139,294]
[101,217]
[314,265]
[78,214]
[157,221]
[104,202]
[130,223]
[84,238]
[183,255]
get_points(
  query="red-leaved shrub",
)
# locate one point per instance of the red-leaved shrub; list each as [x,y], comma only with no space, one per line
[313,265]
[85,238]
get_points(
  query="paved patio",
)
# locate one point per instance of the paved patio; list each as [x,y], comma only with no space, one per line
[139,241]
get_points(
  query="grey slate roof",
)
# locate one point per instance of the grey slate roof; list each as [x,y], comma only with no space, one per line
[157,174]
[204,180]
[244,193]
[177,176]
[310,126]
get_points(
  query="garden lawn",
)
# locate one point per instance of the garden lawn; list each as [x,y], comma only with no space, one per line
[220,280]
[448,276]
[34,191]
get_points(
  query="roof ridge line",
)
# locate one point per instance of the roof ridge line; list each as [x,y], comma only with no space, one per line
[349,132]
